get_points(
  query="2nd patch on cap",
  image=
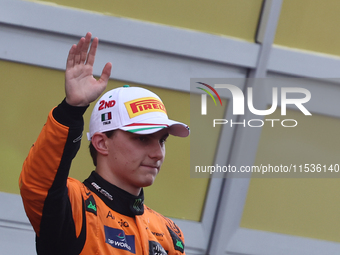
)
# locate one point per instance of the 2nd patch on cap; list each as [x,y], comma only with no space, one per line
[144,105]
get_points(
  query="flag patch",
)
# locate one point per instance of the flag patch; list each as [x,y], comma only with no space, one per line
[106,116]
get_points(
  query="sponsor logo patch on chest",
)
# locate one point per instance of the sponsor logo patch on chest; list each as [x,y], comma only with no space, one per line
[117,239]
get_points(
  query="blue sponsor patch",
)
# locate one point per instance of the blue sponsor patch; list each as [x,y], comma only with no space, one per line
[117,239]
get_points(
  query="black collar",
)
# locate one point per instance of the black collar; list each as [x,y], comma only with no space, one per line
[117,199]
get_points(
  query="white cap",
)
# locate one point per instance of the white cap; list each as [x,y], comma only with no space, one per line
[132,109]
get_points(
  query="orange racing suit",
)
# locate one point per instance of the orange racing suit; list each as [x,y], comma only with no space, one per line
[93,217]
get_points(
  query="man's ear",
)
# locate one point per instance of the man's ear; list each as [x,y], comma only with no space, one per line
[99,143]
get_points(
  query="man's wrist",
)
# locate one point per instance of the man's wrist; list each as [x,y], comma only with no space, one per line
[68,115]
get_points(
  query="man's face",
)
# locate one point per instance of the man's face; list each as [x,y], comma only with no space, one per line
[135,160]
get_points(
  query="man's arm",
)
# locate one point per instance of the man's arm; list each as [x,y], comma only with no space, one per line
[45,170]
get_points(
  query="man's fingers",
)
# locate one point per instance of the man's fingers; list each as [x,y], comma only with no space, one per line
[70,58]
[78,53]
[92,53]
[85,47]
[77,56]
[104,78]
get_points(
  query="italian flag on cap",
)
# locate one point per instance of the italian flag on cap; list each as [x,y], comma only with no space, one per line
[106,116]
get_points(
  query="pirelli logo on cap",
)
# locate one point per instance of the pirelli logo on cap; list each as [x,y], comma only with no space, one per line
[144,105]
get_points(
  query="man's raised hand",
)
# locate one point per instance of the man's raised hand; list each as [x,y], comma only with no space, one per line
[80,86]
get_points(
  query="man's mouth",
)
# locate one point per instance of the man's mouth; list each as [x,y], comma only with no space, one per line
[151,166]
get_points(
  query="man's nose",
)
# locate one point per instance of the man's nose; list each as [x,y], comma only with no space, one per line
[157,150]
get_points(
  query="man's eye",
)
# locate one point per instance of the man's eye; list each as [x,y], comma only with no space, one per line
[163,140]
[142,138]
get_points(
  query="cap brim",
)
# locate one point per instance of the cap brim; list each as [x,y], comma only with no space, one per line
[154,125]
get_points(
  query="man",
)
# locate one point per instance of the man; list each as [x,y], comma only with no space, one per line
[105,214]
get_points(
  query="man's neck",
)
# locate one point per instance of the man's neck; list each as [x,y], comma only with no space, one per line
[111,178]
[114,197]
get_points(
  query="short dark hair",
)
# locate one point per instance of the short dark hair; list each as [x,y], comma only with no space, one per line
[93,151]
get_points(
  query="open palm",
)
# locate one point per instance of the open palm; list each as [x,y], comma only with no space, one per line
[80,86]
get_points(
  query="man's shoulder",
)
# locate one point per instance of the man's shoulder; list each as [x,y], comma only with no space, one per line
[74,182]
[155,215]
[75,187]
[165,221]
[159,225]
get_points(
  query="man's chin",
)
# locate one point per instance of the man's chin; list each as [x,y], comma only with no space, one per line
[148,181]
